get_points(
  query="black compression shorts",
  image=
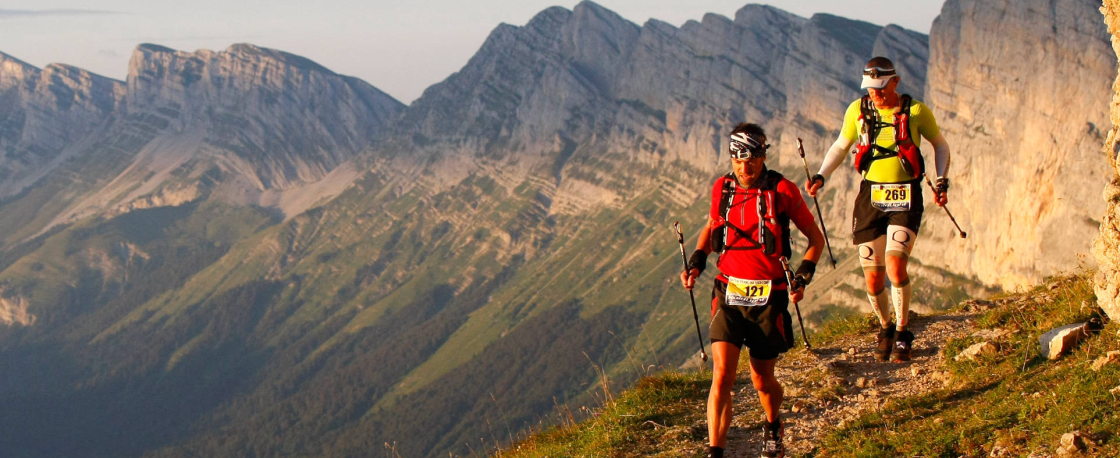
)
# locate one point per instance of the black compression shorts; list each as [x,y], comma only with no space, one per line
[869,222]
[766,330]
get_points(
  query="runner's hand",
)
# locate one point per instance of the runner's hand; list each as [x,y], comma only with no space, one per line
[688,279]
[941,198]
[795,295]
[941,191]
[814,185]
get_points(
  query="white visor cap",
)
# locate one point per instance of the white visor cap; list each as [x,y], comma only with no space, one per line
[877,77]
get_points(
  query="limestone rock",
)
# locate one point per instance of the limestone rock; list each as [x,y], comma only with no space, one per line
[977,351]
[999,450]
[13,309]
[1111,357]
[168,197]
[1106,249]
[1026,169]
[1058,341]
[799,406]
[288,119]
[559,92]
[45,112]
[248,125]
[1073,441]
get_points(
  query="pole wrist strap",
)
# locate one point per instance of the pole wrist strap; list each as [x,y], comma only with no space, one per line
[698,260]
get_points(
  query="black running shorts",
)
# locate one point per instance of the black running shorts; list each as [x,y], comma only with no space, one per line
[766,330]
[869,222]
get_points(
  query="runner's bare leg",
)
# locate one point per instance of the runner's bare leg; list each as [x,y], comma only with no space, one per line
[725,363]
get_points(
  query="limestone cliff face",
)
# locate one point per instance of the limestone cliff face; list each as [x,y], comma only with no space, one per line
[247,125]
[286,119]
[1021,92]
[592,100]
[42,112]
[1107,247]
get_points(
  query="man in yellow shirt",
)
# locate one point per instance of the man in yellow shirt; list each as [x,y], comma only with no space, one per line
[887,130]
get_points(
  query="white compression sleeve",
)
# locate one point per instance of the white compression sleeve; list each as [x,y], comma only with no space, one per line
[901,296]
[940,154]
[880,304]
[835,156]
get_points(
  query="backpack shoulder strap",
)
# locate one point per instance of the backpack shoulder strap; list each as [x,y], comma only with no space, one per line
[771,180]
[727,192]
[867,108]
[902,119]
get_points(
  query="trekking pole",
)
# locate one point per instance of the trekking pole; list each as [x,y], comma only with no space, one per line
[947,212]
[789,281]
[695,316]
[801,151]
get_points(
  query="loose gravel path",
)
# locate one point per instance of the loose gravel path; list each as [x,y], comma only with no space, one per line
[833,385]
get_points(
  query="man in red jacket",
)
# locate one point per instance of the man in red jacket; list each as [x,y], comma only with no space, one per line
[748,225]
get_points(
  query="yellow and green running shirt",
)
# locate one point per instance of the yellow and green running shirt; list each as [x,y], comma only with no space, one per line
[890,171]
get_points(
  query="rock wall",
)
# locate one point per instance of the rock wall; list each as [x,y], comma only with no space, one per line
[1107,247]
[587,97]
[1021,92]
[43,112]
[286,118]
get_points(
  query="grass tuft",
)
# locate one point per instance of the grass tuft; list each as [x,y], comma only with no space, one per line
[660,415]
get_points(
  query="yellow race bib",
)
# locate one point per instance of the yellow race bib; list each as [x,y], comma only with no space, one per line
[748,293]
[891,197]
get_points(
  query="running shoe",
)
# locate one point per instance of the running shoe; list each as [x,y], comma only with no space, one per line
[885,343]
[902,346]
[772,441]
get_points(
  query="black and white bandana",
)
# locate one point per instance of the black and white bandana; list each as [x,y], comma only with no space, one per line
[746,146]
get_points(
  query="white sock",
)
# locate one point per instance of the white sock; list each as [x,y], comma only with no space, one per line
[881,306]
[901,296]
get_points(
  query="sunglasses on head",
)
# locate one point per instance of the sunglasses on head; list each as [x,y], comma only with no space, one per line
[876,72]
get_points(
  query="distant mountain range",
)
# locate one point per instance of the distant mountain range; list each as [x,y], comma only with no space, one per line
[242,253]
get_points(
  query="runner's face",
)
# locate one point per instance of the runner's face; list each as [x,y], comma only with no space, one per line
[884,95]
[748,170]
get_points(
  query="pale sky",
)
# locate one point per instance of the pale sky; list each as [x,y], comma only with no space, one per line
[401,47]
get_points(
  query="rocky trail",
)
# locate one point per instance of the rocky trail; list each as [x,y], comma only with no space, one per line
[831,385]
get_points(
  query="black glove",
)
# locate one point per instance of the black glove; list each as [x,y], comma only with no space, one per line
[816,178]
[942,185]
[804,274]
[698,260]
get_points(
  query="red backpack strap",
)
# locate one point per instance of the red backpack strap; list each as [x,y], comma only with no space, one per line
[772,216]
[902,120]
[908,151]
